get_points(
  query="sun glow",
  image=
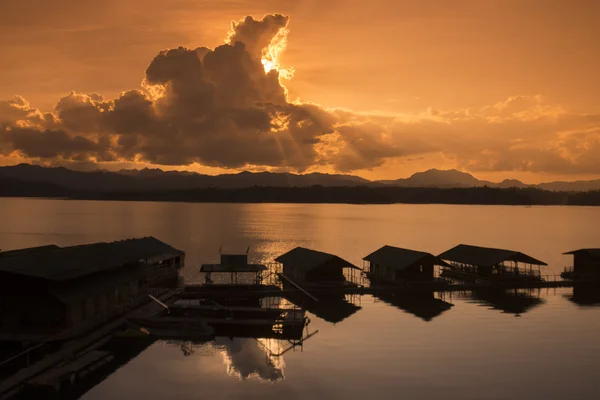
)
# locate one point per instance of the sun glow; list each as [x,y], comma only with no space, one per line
[271,54]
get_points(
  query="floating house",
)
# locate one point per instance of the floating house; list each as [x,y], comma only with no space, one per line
[233,282]
[586,264]
[233,270]
[313,269]
[396,265]
[472,263]
[64,291]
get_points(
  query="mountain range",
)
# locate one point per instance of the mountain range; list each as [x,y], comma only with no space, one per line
[156,179]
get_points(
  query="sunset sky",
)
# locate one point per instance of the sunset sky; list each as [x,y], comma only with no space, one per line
[380,88]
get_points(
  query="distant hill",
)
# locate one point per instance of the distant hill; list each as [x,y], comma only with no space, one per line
[438,178]
[382,194]
[156,179]
[18,188]
[577,186]
[457,179]
[189,180]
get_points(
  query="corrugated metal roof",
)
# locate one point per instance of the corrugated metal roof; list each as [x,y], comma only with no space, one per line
[64,263]
[486,256]
[308,259]
[400,258]
[591,252]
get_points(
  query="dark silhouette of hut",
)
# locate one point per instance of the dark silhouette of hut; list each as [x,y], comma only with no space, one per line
[586,264]
[473,263]
[236,268]
[316,269]
[49,290]
[395,265]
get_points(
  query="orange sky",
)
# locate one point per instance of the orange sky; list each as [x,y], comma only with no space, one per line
[496,88]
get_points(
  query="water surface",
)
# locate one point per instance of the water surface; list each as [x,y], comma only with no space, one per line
[540,344]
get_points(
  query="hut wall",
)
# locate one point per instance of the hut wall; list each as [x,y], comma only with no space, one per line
[328,272]
[294,272]
[383,272]
[416,272]
[586,265]
[101,304]
[36,312]
[75,313]
[419,271]
[485,271]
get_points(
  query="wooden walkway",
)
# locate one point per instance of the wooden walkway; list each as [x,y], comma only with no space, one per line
[11,385]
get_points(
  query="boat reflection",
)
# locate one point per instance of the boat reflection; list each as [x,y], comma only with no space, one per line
[425,305]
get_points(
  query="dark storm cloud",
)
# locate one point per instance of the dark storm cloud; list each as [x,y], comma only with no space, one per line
[218,107]
[56,144]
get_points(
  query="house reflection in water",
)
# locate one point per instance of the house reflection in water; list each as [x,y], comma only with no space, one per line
[333,308]
[585,295]
[424,305]
[514,301]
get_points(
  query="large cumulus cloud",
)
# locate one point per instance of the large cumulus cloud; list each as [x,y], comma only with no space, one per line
[221,107]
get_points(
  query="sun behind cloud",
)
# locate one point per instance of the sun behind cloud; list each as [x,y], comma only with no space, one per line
[227,108]
[272,53]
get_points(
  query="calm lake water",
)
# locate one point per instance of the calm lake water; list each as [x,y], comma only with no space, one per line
[540,344]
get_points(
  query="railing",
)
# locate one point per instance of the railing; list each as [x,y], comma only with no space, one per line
[552,278]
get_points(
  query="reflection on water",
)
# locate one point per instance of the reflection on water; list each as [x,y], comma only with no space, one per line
[332,308]
[585,295]
[376,343]
[377,347]
[243,358]
[425,305]
[510,301]
[246,358]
